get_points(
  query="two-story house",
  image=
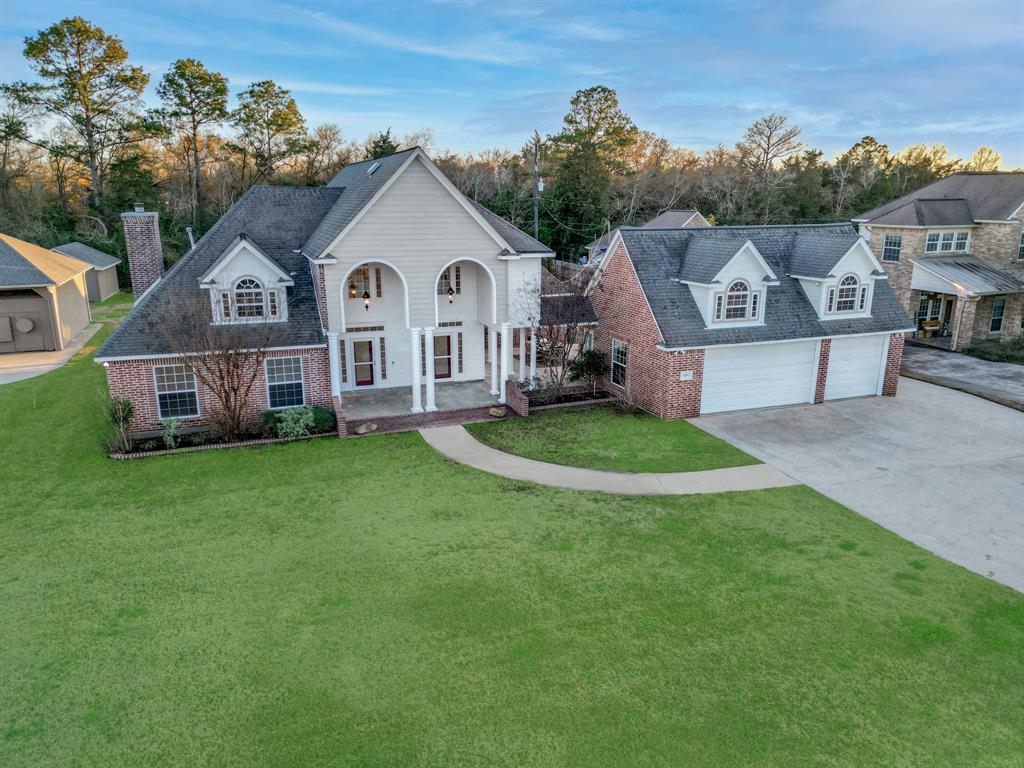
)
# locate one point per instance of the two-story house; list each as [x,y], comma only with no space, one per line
[706,319]
[954,254]
[381,292]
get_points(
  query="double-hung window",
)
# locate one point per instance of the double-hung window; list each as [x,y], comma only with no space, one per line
[177,396]
[284,382]
[891,247]
[995,325]
[620,357]
[945,242]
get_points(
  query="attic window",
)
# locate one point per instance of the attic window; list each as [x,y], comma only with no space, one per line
[373,169]
[739,302]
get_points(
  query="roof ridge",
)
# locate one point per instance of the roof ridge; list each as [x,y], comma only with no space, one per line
[389,154]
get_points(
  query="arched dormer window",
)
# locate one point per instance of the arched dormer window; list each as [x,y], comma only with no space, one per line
[738,302]
[250,300]
[848,296]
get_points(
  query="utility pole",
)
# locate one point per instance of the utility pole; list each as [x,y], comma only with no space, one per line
[538,185]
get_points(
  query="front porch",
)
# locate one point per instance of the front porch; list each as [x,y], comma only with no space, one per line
[395,401]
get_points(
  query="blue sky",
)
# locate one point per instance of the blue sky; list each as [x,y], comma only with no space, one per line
[486,74]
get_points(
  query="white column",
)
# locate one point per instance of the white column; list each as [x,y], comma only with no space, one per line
[428,337]
[492,337]
[506,355]
[533,355]
[335,358]
[414,340]
[522,353]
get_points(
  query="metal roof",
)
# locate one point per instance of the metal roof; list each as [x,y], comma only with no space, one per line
[88,254]
[24,265]
[970,275]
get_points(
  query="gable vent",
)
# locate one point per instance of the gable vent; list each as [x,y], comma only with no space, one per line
[373,168]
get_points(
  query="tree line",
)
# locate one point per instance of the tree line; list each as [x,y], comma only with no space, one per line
[78,146]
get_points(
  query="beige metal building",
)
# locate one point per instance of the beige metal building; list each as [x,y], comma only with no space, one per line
[44,300]
[102,278]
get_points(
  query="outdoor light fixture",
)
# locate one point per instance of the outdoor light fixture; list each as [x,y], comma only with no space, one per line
[366,300]
[451,295]
[352,290]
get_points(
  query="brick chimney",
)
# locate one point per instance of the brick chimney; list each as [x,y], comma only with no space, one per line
[145,254]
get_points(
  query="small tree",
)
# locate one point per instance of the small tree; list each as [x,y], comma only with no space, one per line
[561,330]
[120,411]
[225,359]
[589,366]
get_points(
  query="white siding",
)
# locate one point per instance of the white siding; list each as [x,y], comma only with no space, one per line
[418,227]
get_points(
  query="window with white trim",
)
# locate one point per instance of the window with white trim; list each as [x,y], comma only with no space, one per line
[891,247]
[620,358]
[738,302]
[450,278]
[844,298]
[284,382]
[1020,248]
[177,395]
[995,325]
[358,282]
[946,242]
[248,301]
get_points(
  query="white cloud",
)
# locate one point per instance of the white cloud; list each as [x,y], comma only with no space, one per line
[314,86]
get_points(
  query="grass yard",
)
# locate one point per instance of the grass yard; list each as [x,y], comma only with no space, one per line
[368,603]
[606,438]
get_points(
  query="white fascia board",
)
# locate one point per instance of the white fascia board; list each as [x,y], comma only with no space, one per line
[664,348]
[752,249]
[713,284]
[175,355]
[814,279]
[315,260]
[240,244]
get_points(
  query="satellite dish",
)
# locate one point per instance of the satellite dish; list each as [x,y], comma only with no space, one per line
[24,324]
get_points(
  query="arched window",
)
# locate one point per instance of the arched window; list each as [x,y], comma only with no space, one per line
[249,298]
[846,298]
[737,301]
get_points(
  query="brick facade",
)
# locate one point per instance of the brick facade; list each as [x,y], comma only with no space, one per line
[652,375]
[133,379]
[997,243]
[145,252]
[823,355]
[892,365]
[516,399]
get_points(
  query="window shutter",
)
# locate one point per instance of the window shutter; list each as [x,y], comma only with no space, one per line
[718,307]
[831,298]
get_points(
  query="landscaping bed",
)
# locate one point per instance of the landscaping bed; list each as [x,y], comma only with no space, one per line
[605,437]
[999,352]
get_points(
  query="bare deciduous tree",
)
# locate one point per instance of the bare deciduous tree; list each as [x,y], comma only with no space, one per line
[765,144]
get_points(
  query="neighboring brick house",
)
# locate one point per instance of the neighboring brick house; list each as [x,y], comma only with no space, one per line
[954,253]
[386,293]
[716,319]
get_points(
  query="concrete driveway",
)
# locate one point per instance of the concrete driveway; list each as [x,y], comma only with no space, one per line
[1000,382]
[17,366]
[939,467]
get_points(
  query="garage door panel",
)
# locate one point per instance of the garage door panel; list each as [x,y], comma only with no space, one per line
[854,366]
[758,376]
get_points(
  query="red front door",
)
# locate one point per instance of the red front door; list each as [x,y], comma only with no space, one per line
[442,357]
[362,355]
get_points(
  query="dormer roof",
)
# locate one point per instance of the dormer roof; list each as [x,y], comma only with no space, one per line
[704,259]
[244,243]
[815,254]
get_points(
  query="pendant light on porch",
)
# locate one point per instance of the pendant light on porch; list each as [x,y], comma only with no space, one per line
[366,300]
[451,295]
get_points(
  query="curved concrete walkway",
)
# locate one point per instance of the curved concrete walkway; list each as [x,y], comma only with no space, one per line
[458,445]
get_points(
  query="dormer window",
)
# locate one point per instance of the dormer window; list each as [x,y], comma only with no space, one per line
[249,301]
[739,302]
[848,296]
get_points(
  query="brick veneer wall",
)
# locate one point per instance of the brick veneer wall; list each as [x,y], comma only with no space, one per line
[145,253]
[819,387]
[652,375]
[892,365]
[516,399]
[133,379]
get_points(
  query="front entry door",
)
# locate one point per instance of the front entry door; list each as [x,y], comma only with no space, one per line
[362,354]
[442,357]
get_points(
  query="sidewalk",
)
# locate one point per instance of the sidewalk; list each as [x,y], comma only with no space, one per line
[458,445]
[26,365]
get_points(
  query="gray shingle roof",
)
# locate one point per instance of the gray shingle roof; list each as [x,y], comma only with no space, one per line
[88,254]
[515,237]
[971,273]
[974,196]
[671,219]
[704,257]
[356,186]
[657,257]
[815,254]
[279,219]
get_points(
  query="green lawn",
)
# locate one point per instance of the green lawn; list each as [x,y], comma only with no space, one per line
[368,603]
[606,438]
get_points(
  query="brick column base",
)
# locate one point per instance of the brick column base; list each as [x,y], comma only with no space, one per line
[339,415]
[516,399]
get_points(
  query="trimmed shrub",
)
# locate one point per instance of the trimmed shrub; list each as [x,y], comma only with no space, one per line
[295,422]
[323,419]
[268,423]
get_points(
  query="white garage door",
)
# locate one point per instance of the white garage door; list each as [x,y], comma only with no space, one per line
[854,366]
[758,376]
